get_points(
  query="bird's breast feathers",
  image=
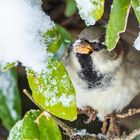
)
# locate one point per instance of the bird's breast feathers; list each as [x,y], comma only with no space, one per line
[104,84]
[112,98]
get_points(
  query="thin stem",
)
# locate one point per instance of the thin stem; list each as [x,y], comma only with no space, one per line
[31,98]
[69,131]
[130,112]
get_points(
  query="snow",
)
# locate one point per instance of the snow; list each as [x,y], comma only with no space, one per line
[64,99]
[22,26]
[55,88]
[83,132]
[15,133]
[86,9]
[137,42]
[76,43]
[51,88]
[7,87]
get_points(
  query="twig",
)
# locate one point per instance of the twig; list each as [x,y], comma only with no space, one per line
[128,114]
[131,136]
[31,98]
[69,131]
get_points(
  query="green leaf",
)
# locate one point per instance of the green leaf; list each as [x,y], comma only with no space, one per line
[10,107]
[29,127]
[66,39]
[47,125]
[16,131]
[90,10]
[65,36]
[70,8]
[52,40]
[117,23]
[53,91]
[8,66]
[136,8]
[35,125]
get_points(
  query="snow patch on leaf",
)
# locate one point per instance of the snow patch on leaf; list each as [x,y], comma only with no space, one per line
[137,42]
[52,89]
[65,100]
[88,8]
[22,26]
[15,133]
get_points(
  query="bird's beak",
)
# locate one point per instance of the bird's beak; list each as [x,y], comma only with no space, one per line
[83,48]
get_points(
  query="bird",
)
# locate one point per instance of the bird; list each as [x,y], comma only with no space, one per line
[106,81]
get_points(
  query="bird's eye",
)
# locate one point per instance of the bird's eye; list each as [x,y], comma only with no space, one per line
[98,46]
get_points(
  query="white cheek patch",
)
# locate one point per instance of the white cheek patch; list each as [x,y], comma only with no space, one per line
[103,64]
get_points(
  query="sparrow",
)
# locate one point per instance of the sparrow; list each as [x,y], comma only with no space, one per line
[106,81]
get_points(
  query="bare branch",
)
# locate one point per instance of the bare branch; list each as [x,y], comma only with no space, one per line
[128,114]
[87,136]
[131,136]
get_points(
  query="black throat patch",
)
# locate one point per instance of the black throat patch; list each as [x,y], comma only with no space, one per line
[93,78]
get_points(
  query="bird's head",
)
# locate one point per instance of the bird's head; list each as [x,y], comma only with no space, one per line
[89,60]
